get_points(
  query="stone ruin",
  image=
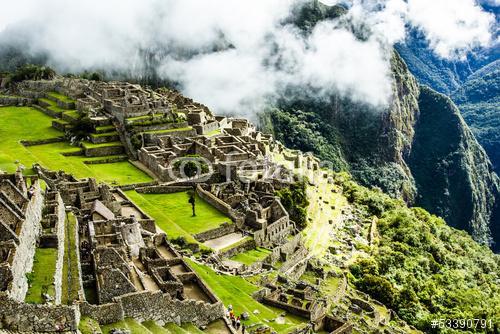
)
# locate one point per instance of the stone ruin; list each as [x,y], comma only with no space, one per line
[126,268]
[123,260]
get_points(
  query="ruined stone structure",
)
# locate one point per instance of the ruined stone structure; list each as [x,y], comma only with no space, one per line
[126,267]
[20,215]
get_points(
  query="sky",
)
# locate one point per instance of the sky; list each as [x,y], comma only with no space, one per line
[239,56]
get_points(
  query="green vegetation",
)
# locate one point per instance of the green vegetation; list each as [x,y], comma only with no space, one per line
[479,102]
[89,326]
[105,128]
[80,129]
[70,275]
[306,131]
[128,323]
[252,256]
[32,72]
[154,328]
[423,268]
[188,128]
[444,154]
[173,213]
[52,105]
[213,133]
[14,128]
[294,199]
[41,278]
[236,291]
[60,97]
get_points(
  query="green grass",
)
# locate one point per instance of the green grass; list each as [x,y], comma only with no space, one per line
[42,275]
[70,280]
[60,97]
[188,128]
[154,328]
[190,328]
[115,173]
[89,326]
[74,114]
[52,105]
[236,291]
[105,127]
[61,121]
[252,256]
[173,214]
[18,123]
[213,133]
[24,123]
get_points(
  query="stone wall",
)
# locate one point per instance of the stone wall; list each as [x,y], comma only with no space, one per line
[217,232]
[61,221]
[150,137]
[104,313]
[162,189]
[294,259]
[21,317]
[23,260]
[104,151]
[51,113]
[162,126]
[244,246]
[15,101]
[156,306]
[42,141]
[219,205]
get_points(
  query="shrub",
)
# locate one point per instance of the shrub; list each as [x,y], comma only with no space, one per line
[32,72]
[379,288]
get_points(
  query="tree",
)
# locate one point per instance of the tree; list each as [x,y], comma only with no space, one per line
[81,129]
[33,72]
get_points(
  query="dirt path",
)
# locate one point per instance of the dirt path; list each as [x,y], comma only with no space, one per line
[224,241]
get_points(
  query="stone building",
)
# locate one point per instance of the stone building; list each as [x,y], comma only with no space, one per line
[20,216]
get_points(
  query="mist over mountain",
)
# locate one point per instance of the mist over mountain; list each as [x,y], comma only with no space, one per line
[327,76]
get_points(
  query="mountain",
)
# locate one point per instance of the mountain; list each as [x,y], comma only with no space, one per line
[473,84]
[419,149]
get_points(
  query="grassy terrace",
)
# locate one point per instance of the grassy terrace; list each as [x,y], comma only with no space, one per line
[92,145]
[52,105]
[237,291]
[145,118]
[105,128]
[173,214]
[72,113]
[104,134]
[187,128]
[41,277]
[252,256]
[213,133]
[18,123]
[60,97]
[70,280]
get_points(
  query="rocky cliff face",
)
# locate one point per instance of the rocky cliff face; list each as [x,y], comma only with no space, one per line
[452,172]
[419,149]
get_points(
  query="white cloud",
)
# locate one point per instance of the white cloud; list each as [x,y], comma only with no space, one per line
[452,27]
[236,55]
